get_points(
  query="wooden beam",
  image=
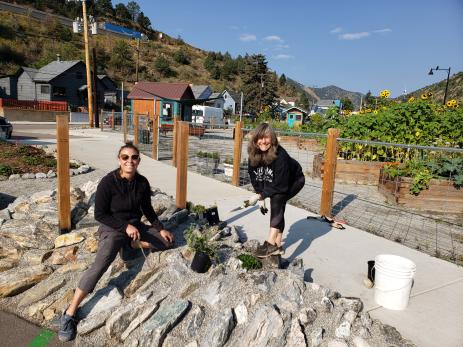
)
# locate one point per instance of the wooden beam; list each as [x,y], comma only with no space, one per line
[135,129]
[113,125]
[174,142]
[329,173]
[124,125]
[154,146]
[182,164]
[64,198]
[238,144]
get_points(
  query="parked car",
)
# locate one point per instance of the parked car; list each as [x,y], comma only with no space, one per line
[6,127]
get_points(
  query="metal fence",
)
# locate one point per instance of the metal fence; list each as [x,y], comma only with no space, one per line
[367,195]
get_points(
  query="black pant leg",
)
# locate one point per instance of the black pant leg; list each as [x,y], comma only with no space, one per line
[277,211]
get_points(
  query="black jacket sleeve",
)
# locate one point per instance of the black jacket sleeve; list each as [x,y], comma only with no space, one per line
[103,207]
[147,208]
[252,176]
[280,182]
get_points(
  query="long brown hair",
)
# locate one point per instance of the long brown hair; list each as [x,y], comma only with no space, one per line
[256,156]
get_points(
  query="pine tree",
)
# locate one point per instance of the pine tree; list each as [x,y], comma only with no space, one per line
[259,84]
[304,101]
[143,21]
[282,80]
[134,10]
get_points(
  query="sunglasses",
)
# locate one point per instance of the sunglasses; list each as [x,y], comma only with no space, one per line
[126,157]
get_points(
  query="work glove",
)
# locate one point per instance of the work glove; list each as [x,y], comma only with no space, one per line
[263,208]
[254,199]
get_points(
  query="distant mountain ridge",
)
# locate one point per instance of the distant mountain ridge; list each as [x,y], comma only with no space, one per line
[330,93]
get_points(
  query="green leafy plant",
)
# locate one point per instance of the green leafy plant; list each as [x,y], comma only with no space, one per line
[198,209]
[422,171]
[5,170]
[228,160]
[200,241]
[250,262]
[209,155]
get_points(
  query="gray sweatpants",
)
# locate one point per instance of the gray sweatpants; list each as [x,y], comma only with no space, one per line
[110,243]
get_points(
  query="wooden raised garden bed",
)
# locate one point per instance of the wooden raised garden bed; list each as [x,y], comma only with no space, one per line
[301,143]
[351,171]
[441,196]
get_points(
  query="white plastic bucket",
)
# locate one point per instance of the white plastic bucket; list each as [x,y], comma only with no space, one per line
[393,281]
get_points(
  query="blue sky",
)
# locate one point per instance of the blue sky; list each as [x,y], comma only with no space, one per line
[356,45]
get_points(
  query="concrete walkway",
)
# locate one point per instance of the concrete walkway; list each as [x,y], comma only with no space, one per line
[333,258]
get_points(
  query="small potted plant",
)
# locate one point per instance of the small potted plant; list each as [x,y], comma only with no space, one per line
[228,166]
[199,210]
[208,162]
[205,249]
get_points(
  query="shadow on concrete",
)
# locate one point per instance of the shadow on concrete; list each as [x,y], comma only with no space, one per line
[308,275]
[343,203]
[5,200]
[304,232]
[242,214]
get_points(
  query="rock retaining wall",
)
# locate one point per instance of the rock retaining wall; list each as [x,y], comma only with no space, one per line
[157,299]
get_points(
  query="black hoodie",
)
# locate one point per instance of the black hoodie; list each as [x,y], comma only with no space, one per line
[277,177]
[119,202]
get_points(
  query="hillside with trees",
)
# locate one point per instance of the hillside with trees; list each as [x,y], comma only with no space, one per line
[25,41]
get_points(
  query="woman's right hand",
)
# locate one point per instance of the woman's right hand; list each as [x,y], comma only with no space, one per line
[133,232]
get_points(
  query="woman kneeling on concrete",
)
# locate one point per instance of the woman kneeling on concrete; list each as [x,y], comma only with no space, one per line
[275,175]
[122,197]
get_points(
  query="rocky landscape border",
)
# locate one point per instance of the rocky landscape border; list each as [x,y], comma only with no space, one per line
[156,299]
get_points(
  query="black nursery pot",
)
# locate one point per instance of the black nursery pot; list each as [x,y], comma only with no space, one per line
[371,270]
[201,262]
[212,215]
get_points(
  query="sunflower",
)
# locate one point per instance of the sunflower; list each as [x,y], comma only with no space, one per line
[368,110]
[411,99]
[452,103]
[384,94]
[375,111]
[424,96]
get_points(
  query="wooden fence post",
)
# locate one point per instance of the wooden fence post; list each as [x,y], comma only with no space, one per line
[182,164]
[174,142]
[124,125]
[237,153]
[64,198]
[329,173]
[113,125]
[154,147]
[135,129]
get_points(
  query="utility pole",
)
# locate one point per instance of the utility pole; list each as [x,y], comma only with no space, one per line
[122,97]
[138,58]
[241,107]
[87,65]
[95,89]
[260,91]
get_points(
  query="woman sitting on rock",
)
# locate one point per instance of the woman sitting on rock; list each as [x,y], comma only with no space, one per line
[122,197]
[275,175]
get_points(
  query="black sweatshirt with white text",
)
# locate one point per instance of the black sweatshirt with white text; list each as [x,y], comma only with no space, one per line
[119,202]
[277,177]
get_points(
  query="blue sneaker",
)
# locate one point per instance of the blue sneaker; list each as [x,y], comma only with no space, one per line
[67,327]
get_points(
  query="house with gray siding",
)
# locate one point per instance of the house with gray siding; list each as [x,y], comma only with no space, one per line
[60,81]
[8,87]
[232,101]
[201,91]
